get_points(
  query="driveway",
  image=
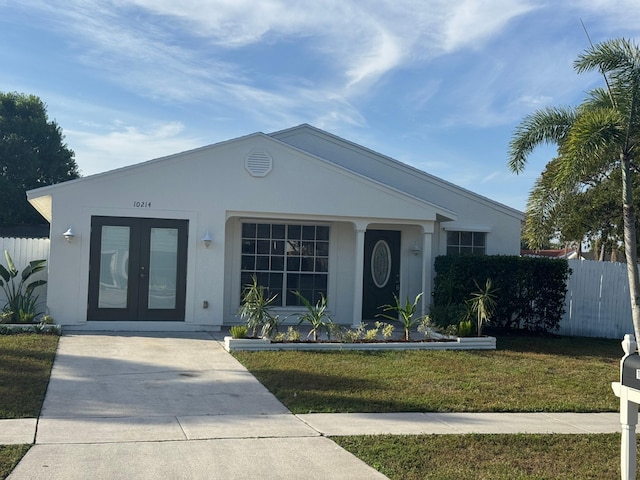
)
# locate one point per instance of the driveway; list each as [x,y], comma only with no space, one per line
[170,406]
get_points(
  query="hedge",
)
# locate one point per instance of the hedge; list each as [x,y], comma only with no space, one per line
[530,292]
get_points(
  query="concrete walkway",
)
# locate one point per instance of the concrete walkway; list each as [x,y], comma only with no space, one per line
[177,406]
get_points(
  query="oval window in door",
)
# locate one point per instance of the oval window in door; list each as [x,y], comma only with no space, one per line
[381,263]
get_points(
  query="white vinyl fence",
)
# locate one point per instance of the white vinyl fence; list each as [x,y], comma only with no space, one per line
[598,303]
[23,251]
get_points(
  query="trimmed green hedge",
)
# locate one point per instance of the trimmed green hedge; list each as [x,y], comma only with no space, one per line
[530,292]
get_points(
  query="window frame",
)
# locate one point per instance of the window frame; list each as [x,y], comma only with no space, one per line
[469,242]
[286,256]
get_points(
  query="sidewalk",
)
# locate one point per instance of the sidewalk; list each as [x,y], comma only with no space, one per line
[328,424]
[147,406]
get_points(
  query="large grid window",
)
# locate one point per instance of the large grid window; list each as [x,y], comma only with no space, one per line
[286,258]
[466,243]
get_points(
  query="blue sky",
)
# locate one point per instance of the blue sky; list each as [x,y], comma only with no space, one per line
[439,85]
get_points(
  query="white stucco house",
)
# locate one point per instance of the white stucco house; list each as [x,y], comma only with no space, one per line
[168,244]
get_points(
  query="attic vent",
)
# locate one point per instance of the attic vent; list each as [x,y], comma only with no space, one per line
[258,164]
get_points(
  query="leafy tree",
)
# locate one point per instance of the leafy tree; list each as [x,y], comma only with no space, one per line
[32,154]
[598,138]
[590,212]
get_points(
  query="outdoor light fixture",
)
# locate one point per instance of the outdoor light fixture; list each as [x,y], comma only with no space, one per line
[206,240]
[69,235]
[416,249]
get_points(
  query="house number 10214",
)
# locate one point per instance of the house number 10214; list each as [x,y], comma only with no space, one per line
[142,204]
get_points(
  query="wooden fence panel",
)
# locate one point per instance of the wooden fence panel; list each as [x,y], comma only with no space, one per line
[22,251]
[597,303]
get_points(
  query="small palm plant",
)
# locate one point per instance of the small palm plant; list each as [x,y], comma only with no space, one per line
[483,304]
[22,302]
[255,309]
[316,315]
[405,314]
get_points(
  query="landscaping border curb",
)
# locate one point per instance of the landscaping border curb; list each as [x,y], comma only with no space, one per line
[264,344]
[30,328]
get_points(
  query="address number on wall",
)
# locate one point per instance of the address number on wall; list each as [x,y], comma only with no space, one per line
[142,204]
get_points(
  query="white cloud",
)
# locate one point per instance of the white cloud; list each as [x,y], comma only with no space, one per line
[469,22]
[145,44]
[214,56]
[127,145]
[619,15]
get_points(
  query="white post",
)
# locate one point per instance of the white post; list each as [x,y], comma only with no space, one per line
[427,267]
[359,272]
[628,419]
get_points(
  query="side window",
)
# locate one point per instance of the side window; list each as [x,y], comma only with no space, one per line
[466,243]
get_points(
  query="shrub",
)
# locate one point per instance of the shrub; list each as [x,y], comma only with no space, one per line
[316,315]
[371,334]
[530,292]
[405,314]
[239,331]
[256,309]
[465,328]
[443,316]
[22,302]
[482,304]
[427,327]
[386,329]
[352,335]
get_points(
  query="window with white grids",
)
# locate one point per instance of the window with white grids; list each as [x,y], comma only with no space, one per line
[286,258]
[466,243]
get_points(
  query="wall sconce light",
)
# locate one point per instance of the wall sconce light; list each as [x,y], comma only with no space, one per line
[206,240]
[69,235]
[416,249]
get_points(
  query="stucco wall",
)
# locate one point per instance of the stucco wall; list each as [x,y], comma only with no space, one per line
[212,189]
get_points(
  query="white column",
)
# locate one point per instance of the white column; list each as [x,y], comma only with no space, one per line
[427,266]
[358,283]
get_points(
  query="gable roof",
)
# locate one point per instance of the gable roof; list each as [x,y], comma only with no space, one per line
[344,155]
[378,167]
[41,198]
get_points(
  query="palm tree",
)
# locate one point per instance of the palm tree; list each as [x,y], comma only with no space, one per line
[601,135]
[483,304]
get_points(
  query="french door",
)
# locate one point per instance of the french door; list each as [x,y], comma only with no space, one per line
[138,269]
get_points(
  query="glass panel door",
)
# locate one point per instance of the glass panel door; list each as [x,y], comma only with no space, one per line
[138,269]
[114,267]
[163,268]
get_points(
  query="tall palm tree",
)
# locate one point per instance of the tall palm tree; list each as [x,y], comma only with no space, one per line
[601,135]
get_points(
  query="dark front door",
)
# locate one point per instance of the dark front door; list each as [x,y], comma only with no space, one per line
[381,270]
[138,269]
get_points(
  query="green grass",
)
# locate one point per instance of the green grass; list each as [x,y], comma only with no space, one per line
[494,457]
[25,366]
[523,375]
[10,455]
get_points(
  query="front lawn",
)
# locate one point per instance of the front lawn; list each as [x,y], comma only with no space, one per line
[495,457]
[10,455]
[25,366]
[556,374]
[524,374]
